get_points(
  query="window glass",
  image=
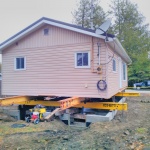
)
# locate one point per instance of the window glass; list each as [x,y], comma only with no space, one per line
[114,65]
[17,63]
[85,59]
[46,31]
[79,59]
[82,59]
[20,64]
[124,71]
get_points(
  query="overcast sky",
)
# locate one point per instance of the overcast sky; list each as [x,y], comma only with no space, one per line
[15,15]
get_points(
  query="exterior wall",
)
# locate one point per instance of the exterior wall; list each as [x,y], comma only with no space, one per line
[114,76]
[56,37]
[50,66]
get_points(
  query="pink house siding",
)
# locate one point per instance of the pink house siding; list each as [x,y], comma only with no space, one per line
[114,76]
[56,37]
[50,66]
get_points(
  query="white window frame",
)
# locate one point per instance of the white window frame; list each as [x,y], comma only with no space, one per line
[124,71]
[88,66]
[15,63]
[114,60]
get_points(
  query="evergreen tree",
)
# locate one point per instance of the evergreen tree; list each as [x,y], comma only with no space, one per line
[134,35]
[82,16]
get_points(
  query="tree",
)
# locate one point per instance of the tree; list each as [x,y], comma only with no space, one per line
[134,35]
[82,16]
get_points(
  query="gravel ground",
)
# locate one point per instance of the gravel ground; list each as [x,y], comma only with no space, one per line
[129,130]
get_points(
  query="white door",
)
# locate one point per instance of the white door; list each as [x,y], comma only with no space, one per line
[120,73]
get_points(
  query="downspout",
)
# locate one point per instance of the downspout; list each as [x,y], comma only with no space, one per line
[92,56]
[98,54]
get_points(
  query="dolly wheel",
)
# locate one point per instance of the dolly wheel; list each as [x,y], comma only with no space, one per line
[36,121]
[27,119]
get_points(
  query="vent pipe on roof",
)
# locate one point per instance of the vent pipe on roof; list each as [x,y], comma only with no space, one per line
[92,9]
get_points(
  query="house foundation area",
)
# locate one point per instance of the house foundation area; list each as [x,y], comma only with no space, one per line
[73,111]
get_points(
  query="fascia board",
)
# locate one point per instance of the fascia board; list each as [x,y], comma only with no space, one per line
[120,50]
[123,51]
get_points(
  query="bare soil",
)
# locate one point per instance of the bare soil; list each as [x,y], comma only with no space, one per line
[129,130]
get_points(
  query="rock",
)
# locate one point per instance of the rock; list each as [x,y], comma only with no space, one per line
[66,138]
[6,146]
[56,131]
[132,146]
[126,132]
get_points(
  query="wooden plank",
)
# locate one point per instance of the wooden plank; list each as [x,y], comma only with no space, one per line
[79,116]
[70,102]
[52,114]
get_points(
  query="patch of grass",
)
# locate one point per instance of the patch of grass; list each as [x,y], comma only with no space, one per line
[7,130]
[141,130]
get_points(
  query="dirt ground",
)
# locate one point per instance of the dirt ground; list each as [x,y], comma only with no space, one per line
[129,130]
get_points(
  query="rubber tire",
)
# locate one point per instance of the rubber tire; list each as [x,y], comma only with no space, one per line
[27,119]
[36,121]
[143,85]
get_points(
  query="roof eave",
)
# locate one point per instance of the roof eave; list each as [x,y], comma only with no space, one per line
[122,52]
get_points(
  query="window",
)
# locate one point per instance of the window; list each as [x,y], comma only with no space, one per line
[82,60]
[46,31]
[114,65]
[20,63]
[124,71]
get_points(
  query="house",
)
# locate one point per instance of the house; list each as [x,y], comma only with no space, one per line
[51,57]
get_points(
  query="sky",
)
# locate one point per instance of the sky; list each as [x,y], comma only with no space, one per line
[15,15]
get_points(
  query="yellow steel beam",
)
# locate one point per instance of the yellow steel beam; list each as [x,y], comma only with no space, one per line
[70,102]
[127,94]
[92,105]
[13,100]
[44,103]
[64,104]
[104,105]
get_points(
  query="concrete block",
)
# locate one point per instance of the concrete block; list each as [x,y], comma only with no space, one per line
[14,113]
[65,116]
[101,118]
[96,118]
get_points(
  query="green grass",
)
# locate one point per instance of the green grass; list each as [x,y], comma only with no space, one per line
[141,130]
[141,88]
[7,130]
